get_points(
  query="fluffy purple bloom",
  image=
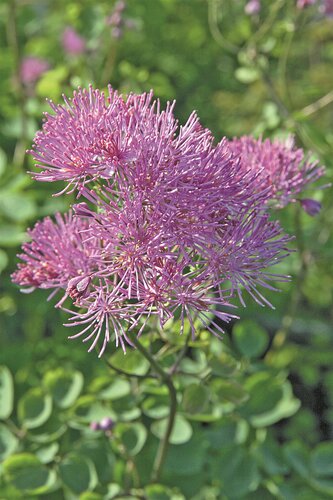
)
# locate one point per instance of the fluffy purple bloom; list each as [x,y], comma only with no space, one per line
[172,224]
[72,42]
[283,169]
[57,257]
[252,7]
[32,68]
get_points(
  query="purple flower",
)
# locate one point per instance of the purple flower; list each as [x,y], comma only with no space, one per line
[252,7]
[32,68]
[171,223]
[106,424]
[72,42]
[57,257]
[284,171]
[95,426]
[311,207]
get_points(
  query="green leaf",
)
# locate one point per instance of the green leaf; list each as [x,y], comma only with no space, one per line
[78,473]
[17,207]
[195,398]
[90,495]
[8,442]
[265,393]
[181,433]
[100,453]
[188,458]
[3,260]
[133,436]
[87,409]
[250,338]
[286,407]
[47,453]
[6,393]
[232,391]
[224,365]
[118,389]
[132,362]
[26,473]
[161,492]
[11,235]
[271,458]
[247,75]
[65,387]
[298,457]
[34,408]
[237,471]
[322,459]
[156,406]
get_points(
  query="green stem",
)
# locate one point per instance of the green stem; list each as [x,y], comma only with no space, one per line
[167,379]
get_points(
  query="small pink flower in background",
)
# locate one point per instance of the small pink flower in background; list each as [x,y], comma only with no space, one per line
[327,7]
[252,7]
[301,4]
[117,21]
[32,68]
[72,42]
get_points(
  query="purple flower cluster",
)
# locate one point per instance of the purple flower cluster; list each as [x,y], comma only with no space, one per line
[283,169]
[171,224]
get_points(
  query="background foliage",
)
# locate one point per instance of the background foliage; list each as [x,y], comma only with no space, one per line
[255,417]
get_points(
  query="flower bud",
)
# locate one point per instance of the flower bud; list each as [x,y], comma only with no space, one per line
[311,207]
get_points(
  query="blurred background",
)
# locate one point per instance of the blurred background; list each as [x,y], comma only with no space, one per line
[262,68]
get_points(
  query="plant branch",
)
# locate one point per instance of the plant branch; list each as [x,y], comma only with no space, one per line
[167,379]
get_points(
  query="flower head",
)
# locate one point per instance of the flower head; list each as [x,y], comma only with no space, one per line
[283,169]
[171,223]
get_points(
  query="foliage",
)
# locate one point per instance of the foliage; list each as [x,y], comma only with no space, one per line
[254,417]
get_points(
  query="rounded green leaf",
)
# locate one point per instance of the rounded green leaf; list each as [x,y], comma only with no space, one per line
[133,436]
[34,408]
[8,442]
[77,473]
[229,390]
[250,338]
[265,392]
[26,473]
[6,392]
[65,387]
[156,406]
[161,492]
[90,495]
[237,471]
[181,433]
[47,453]
[132,362]
[118,389]
[298,457]
[224,365]
[247,75]
[195,399]
[322,459]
